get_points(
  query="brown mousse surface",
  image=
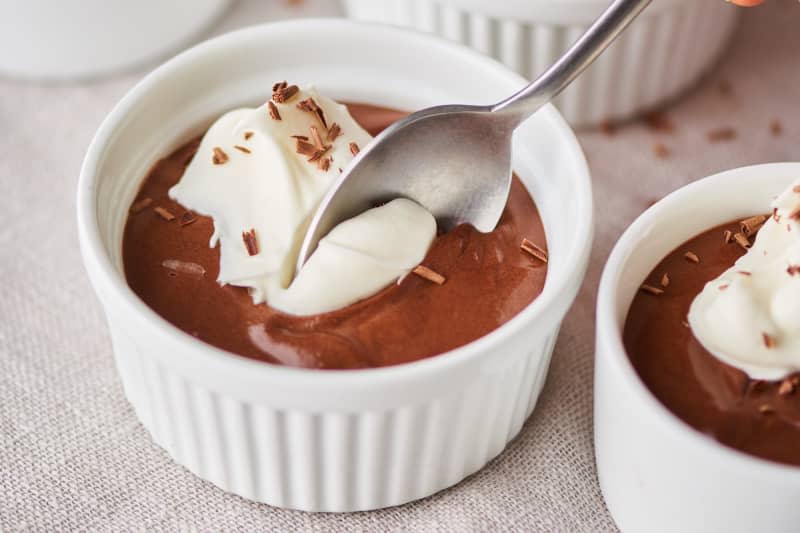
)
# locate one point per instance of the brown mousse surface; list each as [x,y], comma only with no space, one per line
[761,418]
[488,279]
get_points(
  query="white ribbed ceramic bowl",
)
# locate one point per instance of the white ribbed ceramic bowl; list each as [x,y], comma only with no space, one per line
[327,440]
[656,472]
[670,45]
[83,38]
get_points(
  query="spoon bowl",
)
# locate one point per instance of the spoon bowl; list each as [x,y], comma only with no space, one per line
[450,159]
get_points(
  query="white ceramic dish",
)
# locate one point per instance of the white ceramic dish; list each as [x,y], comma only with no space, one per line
[83,38]
[327,440]
[663,52]
[656,472]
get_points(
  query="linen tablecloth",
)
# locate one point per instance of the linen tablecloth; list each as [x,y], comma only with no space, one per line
[73,455]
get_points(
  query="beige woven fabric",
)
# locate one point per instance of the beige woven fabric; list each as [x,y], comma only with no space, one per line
[74,457]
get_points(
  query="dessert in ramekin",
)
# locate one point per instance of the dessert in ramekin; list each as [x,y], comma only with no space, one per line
[212,237]
[327,440]
[685,439]
[667,49]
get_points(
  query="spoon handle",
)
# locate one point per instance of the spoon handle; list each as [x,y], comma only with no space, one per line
[591,44]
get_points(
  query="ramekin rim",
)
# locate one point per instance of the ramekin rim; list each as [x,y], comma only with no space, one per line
[564,11]
[106,278]
[609,332]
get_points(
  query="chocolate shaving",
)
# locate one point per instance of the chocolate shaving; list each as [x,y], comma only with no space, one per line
[250,242]
[283,92]
[795,214]
[317,139]
[741,240]
[164,213]
[219,156]
[187,218]
[141,205]
[319,149]
[304,147]
[655,291]
[247,135]
[318,154]
[691,256]
[769,342]
[661,150]
[775,216]
[721,134]
[533,249]
[793,270]
[659,121]
[665,280]
[786,387]
[727,236]
[744,272]
[242,148]
[431,275]
[776,128]
[723,286]
[796,189]
[274,114]
[301,137]
[311,106]
[333,132]
[184,267]
[354,149]
[750,226]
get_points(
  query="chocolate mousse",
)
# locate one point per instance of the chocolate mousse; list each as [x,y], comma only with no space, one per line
[467,285]
[758,416]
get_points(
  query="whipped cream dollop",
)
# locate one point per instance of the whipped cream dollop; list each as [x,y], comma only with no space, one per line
[359,257]
[749,317]
[260,173]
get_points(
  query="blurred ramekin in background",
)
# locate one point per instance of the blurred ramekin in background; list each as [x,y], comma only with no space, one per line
[328,440]
[657,473]
[45,39]
[665,51]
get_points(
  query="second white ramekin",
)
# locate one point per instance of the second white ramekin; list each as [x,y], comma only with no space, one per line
[670,45]
[656,472]
[78,39]
[327,440]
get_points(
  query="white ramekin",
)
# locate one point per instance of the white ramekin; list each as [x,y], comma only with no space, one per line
[664,52]
[656,472]
[327,440]
[43,39]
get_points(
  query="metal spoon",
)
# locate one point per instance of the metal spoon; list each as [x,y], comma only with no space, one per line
[455,160]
